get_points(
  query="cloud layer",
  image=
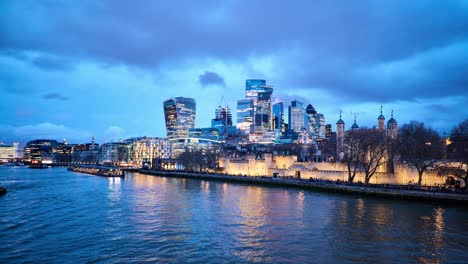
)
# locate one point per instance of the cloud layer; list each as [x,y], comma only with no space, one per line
[113,63]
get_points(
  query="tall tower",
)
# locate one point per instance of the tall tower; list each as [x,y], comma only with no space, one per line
[296,116]
[180,116]
[381,120]
[245,115]
[260,93]
[311,121]
[278,116]
[392,128]
[340,131]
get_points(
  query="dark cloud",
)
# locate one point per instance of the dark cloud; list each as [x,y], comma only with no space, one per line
[211,78]
[333,38]
[50,63]
[54,96]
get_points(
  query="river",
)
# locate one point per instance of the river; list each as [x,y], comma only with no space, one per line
[56,216]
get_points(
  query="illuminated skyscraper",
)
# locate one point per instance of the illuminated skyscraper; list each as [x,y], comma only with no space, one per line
[296,116]
[260,93]
[245,110]
[180,116]
[278,117]
[224,114]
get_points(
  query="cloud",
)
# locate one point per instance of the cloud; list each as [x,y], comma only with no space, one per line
[54,96]
[211,78]
[114,133]
[44,130]
[52,63]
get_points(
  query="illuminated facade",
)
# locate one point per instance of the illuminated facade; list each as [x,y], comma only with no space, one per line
[39,150]
[8,152]
[278,117]
[296,116]
[222,120]
[112,153]
[245,113]
[137,151]
[179,114]
[254,112]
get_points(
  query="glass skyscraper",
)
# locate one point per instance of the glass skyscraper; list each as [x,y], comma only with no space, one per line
[278,117]
[296,116]
[180,116]
[245,114]
[260,93]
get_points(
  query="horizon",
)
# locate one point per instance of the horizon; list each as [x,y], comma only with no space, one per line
[104,69]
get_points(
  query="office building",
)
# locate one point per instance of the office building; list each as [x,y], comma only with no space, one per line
[179,114]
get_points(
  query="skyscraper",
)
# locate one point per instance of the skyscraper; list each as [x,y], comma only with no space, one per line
[296,116]
[245,113]
[260,93]
[222,120]
[180,116]
[224,114]
[278,117]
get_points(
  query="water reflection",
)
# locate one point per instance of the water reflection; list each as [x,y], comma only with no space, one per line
[157,219]
[115,191]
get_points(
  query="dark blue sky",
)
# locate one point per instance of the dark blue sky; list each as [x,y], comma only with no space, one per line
[80,68]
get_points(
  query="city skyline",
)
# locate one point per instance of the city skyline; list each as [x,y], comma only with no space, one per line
[108,77]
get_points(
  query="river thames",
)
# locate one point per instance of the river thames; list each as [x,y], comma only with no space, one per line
[56,216]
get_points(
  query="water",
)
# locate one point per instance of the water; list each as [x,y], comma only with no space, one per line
[56,216]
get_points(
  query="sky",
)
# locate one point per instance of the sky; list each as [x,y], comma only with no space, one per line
[77,69]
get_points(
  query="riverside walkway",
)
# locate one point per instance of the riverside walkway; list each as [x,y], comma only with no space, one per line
[394,193]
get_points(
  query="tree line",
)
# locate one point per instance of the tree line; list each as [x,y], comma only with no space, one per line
[365,150]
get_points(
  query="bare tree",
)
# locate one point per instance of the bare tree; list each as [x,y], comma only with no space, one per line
[457,151]
[373,150]
[194,160]
[352,153]
[420,147]
[365,150]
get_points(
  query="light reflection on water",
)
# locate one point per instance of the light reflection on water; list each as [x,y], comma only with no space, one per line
[58,216]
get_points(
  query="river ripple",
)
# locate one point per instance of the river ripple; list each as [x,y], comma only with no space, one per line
[56,216]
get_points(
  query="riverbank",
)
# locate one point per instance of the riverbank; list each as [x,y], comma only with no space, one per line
[323,186]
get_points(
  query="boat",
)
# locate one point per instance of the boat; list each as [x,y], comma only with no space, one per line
[37,165]
[3,190]
[104,171]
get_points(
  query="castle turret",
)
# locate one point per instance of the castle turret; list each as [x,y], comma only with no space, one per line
[340,130]
[355,125]
[392,128]
[381,120]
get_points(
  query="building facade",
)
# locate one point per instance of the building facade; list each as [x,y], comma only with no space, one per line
[296,116]
[179,114]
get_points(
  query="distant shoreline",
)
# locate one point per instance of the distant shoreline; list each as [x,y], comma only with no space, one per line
[448,198]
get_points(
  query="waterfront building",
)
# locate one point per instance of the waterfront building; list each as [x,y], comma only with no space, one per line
[39,150]
[142,150]
[62,154]
[245,115]
[85,157]
[112,154]
[8,152]
[296,116]
[179,114]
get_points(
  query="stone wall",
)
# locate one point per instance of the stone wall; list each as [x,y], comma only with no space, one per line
[288,166]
